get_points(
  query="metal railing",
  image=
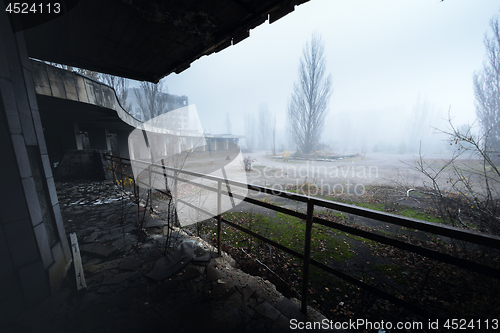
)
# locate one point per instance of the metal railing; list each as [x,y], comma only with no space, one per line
[310,219]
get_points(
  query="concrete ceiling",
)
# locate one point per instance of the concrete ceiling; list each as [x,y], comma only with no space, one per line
[147,39]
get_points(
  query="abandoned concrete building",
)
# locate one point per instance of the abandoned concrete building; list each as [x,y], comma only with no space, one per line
[141,40]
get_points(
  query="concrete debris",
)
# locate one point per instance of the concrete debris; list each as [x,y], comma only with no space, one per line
[289,309]
[214,273]
[131,264]
[127,285]
[267,310]
[172,263]
[98,249]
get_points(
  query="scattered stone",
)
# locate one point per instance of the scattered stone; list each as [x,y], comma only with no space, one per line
[267,310]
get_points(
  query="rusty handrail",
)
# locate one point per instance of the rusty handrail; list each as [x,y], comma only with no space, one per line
[466,235]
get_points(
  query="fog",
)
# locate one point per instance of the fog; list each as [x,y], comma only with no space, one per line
[398,68]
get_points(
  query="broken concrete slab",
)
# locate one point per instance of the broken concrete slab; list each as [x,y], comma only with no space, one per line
[92,237]
[289,309]
[131,264]
[171,263]
[125,242]
[214,273]
[190,273]
[94,269]
[202,260]
[267,310]
[98,250]
[247,292]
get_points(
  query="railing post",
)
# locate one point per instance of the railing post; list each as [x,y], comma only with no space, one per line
[150,189]
[121,173]
[113,169]
[307,255]
[219,216]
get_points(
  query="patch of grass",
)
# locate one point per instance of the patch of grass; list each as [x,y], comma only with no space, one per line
[391,270]
[374,206]
[331,213]
[413,213]
[326,243]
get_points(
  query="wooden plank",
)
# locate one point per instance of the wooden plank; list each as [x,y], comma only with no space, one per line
[77,260]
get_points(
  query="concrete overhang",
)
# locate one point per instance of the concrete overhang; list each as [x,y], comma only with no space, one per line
[146,39]
[70,97]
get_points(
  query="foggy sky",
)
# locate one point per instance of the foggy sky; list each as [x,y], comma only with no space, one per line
[382,55]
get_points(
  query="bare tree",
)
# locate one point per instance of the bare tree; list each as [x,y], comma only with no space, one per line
[228,124]
[465,193]
[264,126]
[250,130]
[273,133]
[120,85]
[310,97]
[487,88]
[91,74]
[152,99]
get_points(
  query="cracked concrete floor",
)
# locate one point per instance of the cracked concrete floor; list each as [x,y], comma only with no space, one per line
[205,294]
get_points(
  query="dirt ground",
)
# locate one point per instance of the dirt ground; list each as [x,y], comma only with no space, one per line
[352,175]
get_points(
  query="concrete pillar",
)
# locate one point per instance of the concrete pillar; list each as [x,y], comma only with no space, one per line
[123,143]
[78,137]
[108,140]
[34,250]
